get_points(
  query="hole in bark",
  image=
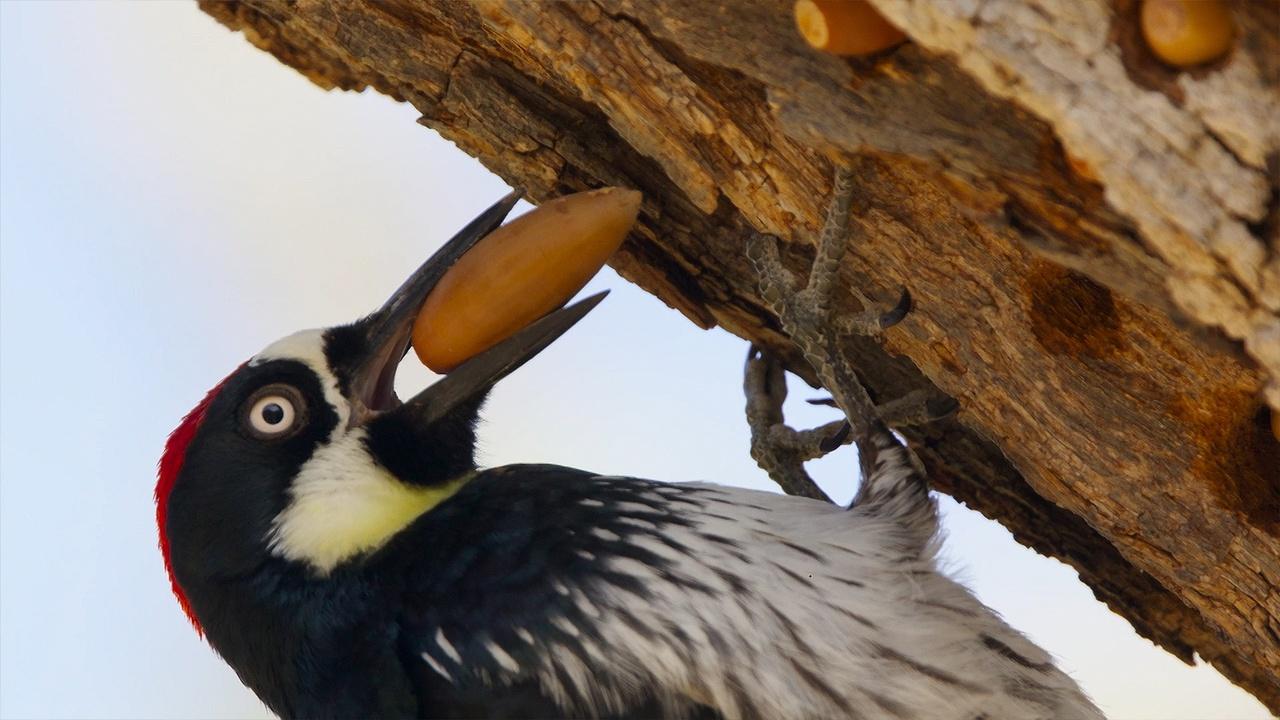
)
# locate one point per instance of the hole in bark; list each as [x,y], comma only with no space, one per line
[1236,452]
[1141,65]
[1072,315]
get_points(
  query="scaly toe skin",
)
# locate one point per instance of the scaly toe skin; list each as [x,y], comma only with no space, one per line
[777,284]
[777,448]
[806,315]
[918,407]
[915,408]
[765,386]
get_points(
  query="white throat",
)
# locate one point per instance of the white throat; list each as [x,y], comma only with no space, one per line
[343,503]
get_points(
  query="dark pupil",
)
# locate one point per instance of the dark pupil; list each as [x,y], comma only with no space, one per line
[273,414]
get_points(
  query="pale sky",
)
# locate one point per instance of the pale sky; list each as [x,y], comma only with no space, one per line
[172,200]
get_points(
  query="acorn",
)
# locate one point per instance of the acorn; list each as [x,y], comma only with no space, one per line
[845,27]
[520,272]
[1185,33]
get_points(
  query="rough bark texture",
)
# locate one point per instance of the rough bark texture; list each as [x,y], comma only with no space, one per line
[1090,238]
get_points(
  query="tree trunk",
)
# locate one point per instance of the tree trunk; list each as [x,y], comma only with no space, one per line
[1089,236]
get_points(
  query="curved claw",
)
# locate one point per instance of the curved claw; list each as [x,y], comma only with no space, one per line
[899,311]
[829,444]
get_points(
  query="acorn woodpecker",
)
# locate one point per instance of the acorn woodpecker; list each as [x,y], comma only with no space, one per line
[342,552]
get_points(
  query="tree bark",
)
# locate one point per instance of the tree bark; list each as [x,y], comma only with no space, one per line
[1089,236]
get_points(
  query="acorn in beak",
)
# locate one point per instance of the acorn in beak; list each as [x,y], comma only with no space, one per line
[488,301]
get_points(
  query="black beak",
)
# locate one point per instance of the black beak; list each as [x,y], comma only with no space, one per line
[384,336]
[484,370]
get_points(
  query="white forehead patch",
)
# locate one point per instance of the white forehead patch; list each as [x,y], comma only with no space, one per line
[307,347]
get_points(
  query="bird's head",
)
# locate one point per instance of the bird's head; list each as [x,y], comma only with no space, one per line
[305,456]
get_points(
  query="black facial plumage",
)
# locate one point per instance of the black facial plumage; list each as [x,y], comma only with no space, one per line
[423,454]
[431,454]
[232,484]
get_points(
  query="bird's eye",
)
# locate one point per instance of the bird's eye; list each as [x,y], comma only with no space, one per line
[274,411]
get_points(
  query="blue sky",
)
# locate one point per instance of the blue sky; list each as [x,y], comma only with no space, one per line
[172,200]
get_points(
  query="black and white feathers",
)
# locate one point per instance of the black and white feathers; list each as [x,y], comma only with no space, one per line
[541,591]
[616,596]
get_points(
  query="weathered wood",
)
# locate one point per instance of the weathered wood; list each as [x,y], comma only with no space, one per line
[1090,239]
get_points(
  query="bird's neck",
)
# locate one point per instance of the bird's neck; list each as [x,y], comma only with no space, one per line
[309,648]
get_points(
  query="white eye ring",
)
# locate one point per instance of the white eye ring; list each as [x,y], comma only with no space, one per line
[274,412]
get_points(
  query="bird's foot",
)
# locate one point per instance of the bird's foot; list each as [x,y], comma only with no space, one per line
[808,317]
[918,407]
[782,450]
[776,447]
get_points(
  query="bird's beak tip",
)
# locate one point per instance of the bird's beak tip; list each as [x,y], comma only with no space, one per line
[388,332]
